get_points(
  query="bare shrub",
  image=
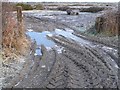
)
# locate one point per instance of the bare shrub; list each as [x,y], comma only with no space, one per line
[107,23]
[21,45]
[92,9]
[8,25]
[25,6]
[63,8]
[12,40]
[39,7]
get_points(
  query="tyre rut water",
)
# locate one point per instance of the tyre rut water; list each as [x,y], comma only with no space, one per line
[76,67]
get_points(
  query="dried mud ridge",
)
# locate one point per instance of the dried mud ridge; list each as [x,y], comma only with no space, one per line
[76,67]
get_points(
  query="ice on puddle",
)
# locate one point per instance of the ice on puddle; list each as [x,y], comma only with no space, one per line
[69,35]
[43,66]
[107,48]
[69,30]
[50,35]
[29,30]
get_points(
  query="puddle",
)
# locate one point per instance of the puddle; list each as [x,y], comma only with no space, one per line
[29,30]
[69,30]
[68,34]
[41,39]
[38,52]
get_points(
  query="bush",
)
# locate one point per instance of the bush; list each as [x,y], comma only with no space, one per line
[92,9]
[107,24]
[25,6]
[39,7]
[63,8]
[12,42]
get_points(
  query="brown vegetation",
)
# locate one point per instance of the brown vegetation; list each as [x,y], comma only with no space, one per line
[14,40]
[63,8]
[39,7]
[92,9]
[25,6]
[107,24]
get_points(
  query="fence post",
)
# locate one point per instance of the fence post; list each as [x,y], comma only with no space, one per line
[0,26]
[20,21]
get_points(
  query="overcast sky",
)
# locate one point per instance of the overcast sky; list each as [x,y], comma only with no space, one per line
[64,0]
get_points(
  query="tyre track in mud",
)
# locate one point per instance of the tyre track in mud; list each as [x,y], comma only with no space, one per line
[78,66]
[40,70]
[92,61]
[81,73]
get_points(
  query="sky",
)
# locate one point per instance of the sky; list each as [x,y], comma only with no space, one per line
[64,0]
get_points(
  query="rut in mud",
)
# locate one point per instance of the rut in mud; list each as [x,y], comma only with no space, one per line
[76,67]
[70,62]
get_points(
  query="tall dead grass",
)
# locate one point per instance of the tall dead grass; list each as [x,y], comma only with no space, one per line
[111,24]
[13,43]
[107,24]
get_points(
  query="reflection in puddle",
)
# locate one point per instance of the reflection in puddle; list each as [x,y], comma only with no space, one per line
[68,34]
[38,52]
[41,39]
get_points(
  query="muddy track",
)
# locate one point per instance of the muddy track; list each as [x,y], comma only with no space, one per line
[76,67]
[84,70]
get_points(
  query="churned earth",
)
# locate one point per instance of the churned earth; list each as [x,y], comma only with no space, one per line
[61,57]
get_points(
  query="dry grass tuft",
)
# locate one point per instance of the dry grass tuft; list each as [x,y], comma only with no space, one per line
[13,42]
[21,44]
[111,23]
[107,24]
